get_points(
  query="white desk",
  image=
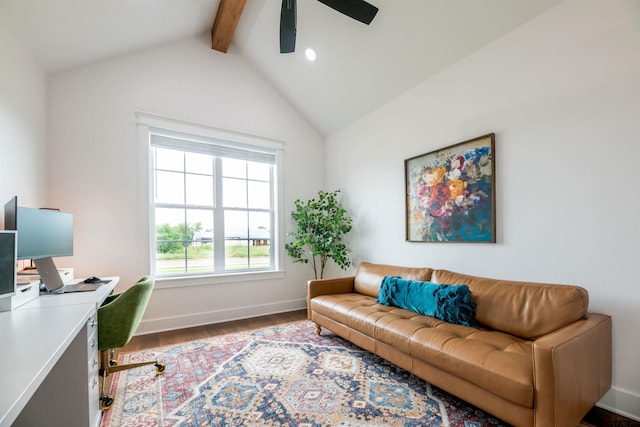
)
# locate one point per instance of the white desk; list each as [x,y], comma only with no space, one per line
[56,300]
[47,365]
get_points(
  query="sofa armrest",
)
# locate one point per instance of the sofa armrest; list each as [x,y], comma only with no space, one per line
[337,285]
[572,370]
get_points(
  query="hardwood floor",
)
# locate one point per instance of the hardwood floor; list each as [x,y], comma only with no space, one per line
[603,418]
[597,416]
[199,332]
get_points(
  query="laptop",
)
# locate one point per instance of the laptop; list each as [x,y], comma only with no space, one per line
[53,282]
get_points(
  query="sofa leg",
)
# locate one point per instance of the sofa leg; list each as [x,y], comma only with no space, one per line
[318,328]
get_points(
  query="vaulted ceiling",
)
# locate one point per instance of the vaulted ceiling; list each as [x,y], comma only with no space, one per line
[358,68]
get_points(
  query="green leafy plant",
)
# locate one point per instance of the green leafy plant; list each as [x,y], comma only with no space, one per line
[321,226]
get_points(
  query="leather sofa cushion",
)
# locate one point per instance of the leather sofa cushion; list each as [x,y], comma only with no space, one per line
[497,362]
[524,309]
[369,276]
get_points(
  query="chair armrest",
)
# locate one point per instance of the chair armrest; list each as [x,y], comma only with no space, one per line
[337,285]
[572,370]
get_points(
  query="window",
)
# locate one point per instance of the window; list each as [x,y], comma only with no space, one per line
[213,203]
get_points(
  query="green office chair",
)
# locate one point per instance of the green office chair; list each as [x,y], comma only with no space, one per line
[118,319]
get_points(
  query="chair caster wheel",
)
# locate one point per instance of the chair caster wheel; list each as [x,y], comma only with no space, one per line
[106,402]
[160,368]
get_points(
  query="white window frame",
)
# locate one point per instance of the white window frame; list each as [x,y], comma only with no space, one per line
[151,123]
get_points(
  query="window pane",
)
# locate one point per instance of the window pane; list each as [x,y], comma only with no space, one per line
[234,168]
[259,195]
[236,246]
[168,264]
[170,241]
[200,250]
[234,193]
[200,258]
[199,190]
[260,256]
[170,222]
[169,159]
[169,187]
[235,225]
[201,224]
[236,255]
[259,225]
[199,163]
[259,240]
[259,171]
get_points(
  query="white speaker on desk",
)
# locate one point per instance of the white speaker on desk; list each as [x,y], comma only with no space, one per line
[26,290]
[66,274]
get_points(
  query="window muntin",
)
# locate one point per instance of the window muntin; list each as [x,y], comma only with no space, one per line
[212,206]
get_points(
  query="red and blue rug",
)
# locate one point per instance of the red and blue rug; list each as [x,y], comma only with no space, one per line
[279,376]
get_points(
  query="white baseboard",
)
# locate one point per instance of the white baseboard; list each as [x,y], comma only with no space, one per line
[149,326]
[621,402]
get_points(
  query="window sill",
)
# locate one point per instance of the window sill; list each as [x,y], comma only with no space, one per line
[216,279]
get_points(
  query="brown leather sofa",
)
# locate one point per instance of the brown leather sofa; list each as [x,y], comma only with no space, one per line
[539,358]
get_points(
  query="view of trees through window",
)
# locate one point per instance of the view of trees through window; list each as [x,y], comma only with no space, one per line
[175,255]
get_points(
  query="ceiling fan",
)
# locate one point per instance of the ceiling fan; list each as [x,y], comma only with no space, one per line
[359,10]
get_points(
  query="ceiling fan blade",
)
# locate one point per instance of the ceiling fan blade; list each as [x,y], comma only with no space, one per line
[359,10]
[288,26]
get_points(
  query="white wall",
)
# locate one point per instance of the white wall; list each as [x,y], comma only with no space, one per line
[562,94]
[99,165]
[23,121]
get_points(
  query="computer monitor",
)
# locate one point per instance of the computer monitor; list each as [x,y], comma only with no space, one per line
[7,267]
[41,232]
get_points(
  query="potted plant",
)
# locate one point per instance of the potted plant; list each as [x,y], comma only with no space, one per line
[321,225]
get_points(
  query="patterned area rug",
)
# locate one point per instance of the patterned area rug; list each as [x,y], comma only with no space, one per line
[280,376]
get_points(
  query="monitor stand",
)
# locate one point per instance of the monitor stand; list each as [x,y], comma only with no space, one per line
[49,274]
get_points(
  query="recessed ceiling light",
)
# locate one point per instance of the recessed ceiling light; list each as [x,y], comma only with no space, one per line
[310,54]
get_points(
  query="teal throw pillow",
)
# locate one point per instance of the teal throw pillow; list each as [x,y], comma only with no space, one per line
[451,303]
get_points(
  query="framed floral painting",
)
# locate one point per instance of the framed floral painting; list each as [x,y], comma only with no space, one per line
[451,193]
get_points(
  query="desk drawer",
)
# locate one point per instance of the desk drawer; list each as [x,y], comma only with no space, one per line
[92,344]
[92,324]
[93,369]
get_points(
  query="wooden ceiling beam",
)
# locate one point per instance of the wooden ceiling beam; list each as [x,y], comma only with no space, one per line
[225,23]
